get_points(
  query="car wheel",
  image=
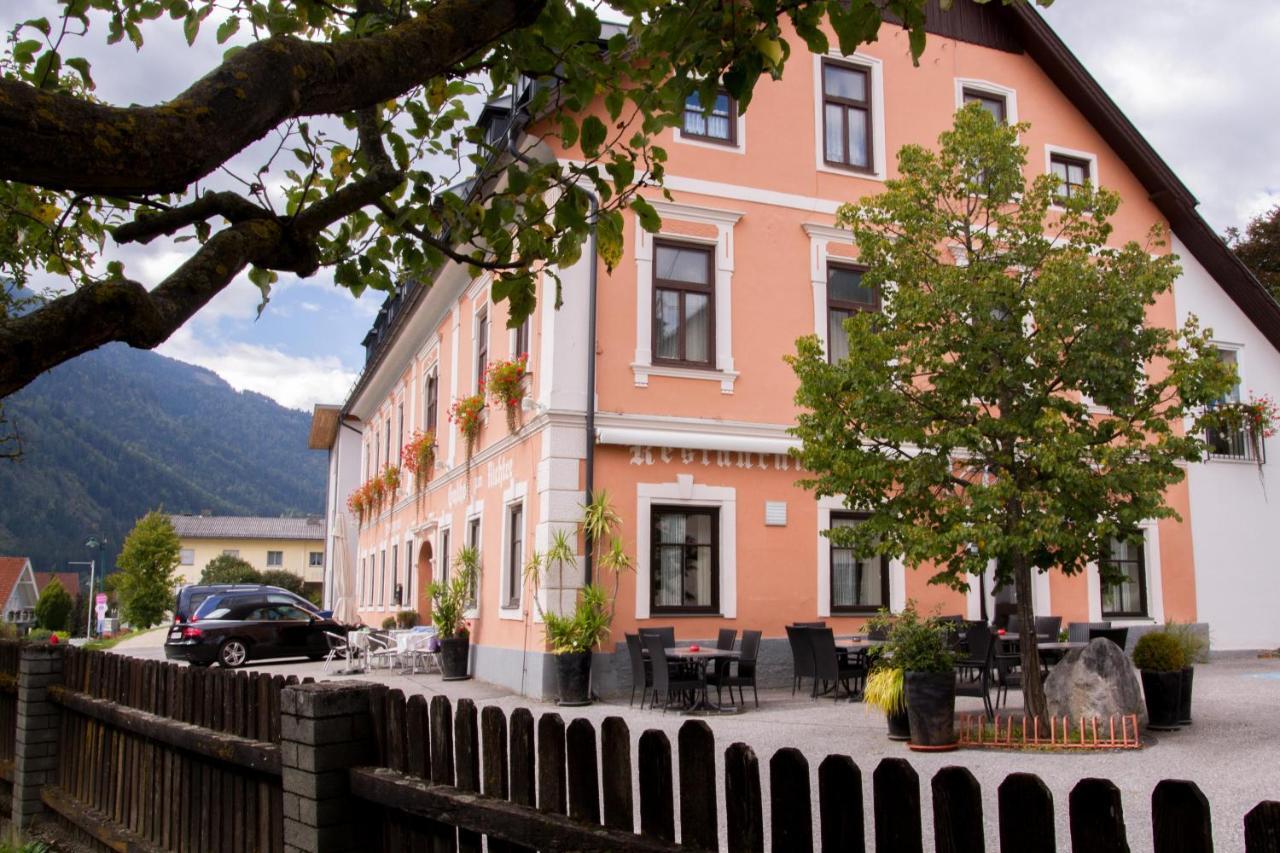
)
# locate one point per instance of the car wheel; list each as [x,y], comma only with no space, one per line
[233,653]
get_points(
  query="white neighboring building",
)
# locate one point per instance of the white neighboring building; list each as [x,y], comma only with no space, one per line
[1235,501]
[331,432]
[18,589]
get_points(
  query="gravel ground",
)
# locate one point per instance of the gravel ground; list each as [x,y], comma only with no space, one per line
[1230,751]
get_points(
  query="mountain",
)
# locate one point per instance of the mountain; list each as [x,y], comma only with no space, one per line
[117,432]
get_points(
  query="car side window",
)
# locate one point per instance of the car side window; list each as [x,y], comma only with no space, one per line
[288,611]
[260,614]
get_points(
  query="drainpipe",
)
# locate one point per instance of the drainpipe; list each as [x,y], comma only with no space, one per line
[591,388]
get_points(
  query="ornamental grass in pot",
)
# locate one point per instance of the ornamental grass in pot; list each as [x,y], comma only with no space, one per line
[886,691]
[1160,660]
[448,608]
[920,647]
[1194,650]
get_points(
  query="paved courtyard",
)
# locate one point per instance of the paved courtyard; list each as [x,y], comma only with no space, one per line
[1232,751]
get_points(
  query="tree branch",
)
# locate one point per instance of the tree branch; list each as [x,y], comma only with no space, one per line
[230,206]
[58,141]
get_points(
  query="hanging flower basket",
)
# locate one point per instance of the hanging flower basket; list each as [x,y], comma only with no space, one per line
[505,381]
[467,412]
[419,456]
[1256,419]
[391,481]
[377,491]
[356,503]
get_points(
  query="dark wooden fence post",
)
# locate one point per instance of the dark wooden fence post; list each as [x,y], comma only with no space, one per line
[699,827]
[325,730]
[744,815]
[657,811]
[1097,818]
[840,805]
[584,777]
[1026,815]
[896,786]
[1180,818]
[957,812]
[790,811]
[552,788]
[615,767]
[1262,828]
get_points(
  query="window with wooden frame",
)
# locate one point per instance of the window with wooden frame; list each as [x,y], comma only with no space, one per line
[482,346]
[515,555]
[399,425]
[683,305]
[473,540]
[521,343]
[442,567]
[991,102]
[1228,442]
[1072,173]
[846,296]
[275,558]
[432,397]
[719,125]
[387,461]
[685,560]
[859,583]
[1126,596]
[846,116]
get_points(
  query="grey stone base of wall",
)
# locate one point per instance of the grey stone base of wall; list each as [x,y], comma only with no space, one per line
[529,673]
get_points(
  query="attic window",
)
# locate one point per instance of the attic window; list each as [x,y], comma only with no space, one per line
[1072,174]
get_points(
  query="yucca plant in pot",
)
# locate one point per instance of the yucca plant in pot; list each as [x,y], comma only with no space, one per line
[921,648]
[1160,660]
[448,614]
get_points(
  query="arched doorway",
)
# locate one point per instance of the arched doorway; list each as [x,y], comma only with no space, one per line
[426,575]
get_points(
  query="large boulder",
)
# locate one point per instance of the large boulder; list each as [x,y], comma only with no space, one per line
[1099,681]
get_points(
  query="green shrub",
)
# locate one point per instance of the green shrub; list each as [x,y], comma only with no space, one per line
[388,623]
[407,618]
[225,568]
[39,635]
[284,580]
[1195,646]
[54,606]
[919,645]
[1159,651]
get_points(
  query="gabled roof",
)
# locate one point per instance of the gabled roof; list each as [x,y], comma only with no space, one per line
[11,569]
[70,581]
[246,527]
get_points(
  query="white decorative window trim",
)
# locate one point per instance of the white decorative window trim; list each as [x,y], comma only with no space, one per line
[897,570]
[1088,156]
[1155,583]
[879,157]
[820,237]
[723,220]
[987,87]
[515,494]
[684,492]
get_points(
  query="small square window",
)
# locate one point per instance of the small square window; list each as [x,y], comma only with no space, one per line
[315,558]
[275,558]
[1072,174]
[992,103]
[718,125]
[187,557]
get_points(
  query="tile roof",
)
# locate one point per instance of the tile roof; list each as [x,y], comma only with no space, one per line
[246,527]
[10,570]
[70,581]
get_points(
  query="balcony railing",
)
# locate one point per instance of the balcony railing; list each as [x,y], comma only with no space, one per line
[1234,444]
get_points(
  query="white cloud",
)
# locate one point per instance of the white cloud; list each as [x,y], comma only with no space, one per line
[294,381]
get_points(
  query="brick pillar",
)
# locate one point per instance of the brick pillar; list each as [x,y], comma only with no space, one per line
[35,760]
[325,728]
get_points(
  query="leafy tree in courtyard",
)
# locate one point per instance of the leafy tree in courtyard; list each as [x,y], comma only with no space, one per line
[284,580]
[334,134]
[148,563]
[960,419]
[54,606]
[1259,248]
[226,568]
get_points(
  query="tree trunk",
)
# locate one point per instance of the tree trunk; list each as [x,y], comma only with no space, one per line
[1032,687]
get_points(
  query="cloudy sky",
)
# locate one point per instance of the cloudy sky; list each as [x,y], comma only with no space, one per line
[1197,78]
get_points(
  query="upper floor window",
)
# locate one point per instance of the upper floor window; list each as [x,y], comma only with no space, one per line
[187,557]
[482,345]
[718,125]
[387,460]
[846,116]
[992,103]
[683,305]
[1072,173]
[515,556]
[1126,595]
[400,424]
[846,295]
[432,397]
[231,552]
[520,346]
[1230,443]
[275,558]
[315,558]
[685,559]
[859,582]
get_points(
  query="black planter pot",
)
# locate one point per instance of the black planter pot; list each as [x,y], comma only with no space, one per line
[455,654]
[1163,691]
[931,707]
[574,670]
[899,726]
[1184,696]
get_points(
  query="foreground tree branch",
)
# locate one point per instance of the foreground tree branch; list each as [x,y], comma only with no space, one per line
[55,140]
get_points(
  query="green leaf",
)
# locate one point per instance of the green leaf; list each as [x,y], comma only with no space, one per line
[24,51]
[191,27]
[81,65]
[41,24]
[622,171]
[46,72]
[593,135]
[568,131]
[228,28]
[649,219]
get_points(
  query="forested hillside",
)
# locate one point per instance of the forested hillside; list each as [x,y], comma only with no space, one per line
[119,431]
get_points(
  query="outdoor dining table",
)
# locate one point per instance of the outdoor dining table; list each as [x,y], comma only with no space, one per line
[356,652]
[1054,650]
[701,658]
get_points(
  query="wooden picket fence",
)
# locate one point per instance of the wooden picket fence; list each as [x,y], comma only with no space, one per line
[8,718]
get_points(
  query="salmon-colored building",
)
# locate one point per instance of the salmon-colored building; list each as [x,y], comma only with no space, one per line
[692,399]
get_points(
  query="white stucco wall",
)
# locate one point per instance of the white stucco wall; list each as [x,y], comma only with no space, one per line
[1235,515]
[340,527]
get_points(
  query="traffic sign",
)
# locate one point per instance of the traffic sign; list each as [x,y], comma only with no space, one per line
[101,599]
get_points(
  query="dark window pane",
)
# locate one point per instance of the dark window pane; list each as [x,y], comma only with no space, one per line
[667,312]
[993,104]
[845,285]
[677,263]
[697,326]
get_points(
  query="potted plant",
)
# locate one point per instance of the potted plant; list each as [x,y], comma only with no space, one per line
[419,457]
[505,383]
[448,606]
[466,412]
[1160,659]
[1194,645]
[391,481]
[355,503]
[885,691]
[920,648]
[406,619]
[377,491]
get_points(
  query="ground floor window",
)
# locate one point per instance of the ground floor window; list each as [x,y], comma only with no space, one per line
[275,558]
[685,562]
[515,555]
[1126,569]
[859,583]
[315,558]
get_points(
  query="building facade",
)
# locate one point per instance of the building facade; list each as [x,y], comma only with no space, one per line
[692,400]
[18,591]
[294,545]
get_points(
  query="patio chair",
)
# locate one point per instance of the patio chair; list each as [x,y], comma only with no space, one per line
[338,648]
[827,666]
[667,633]
[1119,636]
[1048,628]
[1014,624]
[973,673]
[641,672]
[745,673]
[668,680]
[810,624]
[1078,632]
[801,655]
[382,650]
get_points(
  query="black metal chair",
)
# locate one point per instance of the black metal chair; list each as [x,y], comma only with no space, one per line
[668,680]
[810,624]
[1015,624]
[1078,632]
[801,655]
[726,639]
[1048,628]
[973,673]
[666,632]
[827,665]
[641,671]
[1119,636]
[745,672]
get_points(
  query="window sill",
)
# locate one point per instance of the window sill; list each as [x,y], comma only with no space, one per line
[726,378]
[731,147]
[1232,460]
[513,613]
[866,175]
[685,614]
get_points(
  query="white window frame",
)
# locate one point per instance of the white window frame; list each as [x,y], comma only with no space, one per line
[879,156]
[897,569]
[820,237]
[481,308]
[722,246]
[186,556]
[514,495]
[271,565]
[684,492]
[987,87]
[1150,530]
[739,146]
[475,512]
[1088,156]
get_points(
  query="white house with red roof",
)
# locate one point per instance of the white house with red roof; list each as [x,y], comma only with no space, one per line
[18,590]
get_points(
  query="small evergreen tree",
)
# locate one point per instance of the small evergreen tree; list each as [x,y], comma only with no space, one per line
[148,570]
[54,606]
[284,580]
[225,568]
